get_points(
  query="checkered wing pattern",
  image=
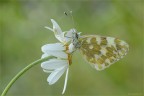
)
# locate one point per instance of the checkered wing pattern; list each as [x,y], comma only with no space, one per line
[101,51]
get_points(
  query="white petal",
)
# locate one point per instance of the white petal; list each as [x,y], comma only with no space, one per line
[59,54]
[56,27]
[68,36]
[55,75]
[55,46]
[71,48]
[45,55]
[58,32]
[69,33]
[49,28]
[48,71]
[54,64]
[66,79]
[55,50]
[61,39]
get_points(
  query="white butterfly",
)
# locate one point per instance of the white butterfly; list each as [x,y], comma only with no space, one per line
[99,51]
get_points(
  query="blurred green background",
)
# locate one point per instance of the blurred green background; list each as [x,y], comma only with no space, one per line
[22,34]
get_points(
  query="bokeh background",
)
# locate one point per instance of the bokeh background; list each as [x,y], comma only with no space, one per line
[22,34]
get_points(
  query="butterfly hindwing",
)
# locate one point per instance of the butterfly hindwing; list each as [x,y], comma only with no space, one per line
[101,51]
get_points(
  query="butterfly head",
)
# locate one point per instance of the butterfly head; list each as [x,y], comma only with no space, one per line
[75,38]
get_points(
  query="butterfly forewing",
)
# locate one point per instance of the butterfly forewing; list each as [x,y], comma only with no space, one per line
[101,51]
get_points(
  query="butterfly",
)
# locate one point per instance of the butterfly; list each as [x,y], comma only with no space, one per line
[99,51]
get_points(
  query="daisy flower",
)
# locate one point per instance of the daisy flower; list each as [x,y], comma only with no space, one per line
[57,66]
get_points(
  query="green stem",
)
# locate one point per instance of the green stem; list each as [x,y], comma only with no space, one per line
[23,71]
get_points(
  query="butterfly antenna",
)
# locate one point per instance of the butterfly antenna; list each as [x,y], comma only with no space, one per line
[72,18]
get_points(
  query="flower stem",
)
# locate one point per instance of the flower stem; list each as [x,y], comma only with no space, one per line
[22,72]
